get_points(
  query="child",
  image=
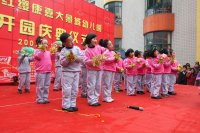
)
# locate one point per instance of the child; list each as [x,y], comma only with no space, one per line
[131,72]
[109,69]
[58,73]
[118,75]
[141,69]
[157,70]
[83,76]
[43,70]
[24,70]
[94,57]
[70,59]
[174,70]
[149,75]
[165,77]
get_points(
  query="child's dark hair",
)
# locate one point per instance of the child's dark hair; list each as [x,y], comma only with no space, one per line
[146,54]
[137,53]
[152,52]
[171,51]
[39,40]
[184,66]
[164,51]
[127,53]
[89,37]
[64,36]
[103,43]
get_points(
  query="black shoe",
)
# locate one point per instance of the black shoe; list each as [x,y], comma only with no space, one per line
[158,97]
[84,95]
[165,95]
[46,102]
[41,103]
[19,91]
[55,90]
[95,104]
[75,108]
[172,93]
[140,92]
[70,109]
[27,91]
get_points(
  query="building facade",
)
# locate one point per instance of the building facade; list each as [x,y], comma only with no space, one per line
[141,24]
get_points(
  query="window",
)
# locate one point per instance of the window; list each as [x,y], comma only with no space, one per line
[117,44]
[116,8]
[158,6]
[159,39]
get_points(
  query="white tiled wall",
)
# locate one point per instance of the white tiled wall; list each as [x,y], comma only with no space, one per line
[184,36]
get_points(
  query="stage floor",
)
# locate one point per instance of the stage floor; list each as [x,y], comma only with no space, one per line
[175,114]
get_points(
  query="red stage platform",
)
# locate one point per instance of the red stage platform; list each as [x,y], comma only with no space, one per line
[177,114]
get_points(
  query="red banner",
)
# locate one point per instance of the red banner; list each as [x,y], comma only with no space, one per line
[21,21]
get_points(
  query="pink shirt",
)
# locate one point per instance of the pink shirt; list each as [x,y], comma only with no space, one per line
[127,64]
[42,61]
[174,67]
[110,63]
[157,68]
[90,53]
[141,68]
[167,65]
[119,66]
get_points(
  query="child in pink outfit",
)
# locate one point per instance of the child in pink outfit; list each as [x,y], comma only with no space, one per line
[157,70]
[130,64]
[43,70]
[141,70]
[109,69]
[94,57]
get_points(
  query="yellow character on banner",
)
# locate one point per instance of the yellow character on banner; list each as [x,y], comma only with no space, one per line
[69,18]
[74,35]
[92,26]
[27,27]
[37,9]
[45,30]
[59,31]
[77,21]
[59,15]
[7,20]
[5,2]
[99,27]
[23,5]
[83,36]
[48,12]
[85,24]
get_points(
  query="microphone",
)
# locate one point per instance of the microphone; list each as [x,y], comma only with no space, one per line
[136,108]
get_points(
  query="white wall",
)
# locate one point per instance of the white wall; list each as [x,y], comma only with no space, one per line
[132,19]
[184,35]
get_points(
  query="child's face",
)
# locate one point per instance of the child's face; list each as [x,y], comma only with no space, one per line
[156,53]
[94,41]
[131,54]
[69,42]
[110,45]
[44,42]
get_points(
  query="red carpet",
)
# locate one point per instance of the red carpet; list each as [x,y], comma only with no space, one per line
[175,114]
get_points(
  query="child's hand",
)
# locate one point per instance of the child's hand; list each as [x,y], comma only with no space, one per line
[96,61]
[102,57]
[71,57]
[42,47]
[117,57]
[132,65]
[138,61]
[53,50]
[121,70]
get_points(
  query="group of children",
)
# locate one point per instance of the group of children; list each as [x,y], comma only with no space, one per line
[97,67]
